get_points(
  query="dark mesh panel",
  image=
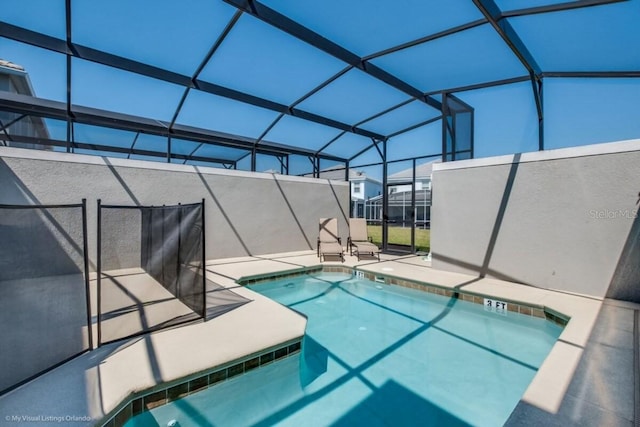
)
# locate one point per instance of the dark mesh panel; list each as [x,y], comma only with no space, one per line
[151,268]
[172,250]
[43,291]
[191,262]
[458,132]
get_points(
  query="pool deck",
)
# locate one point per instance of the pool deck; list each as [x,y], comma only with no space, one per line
[590,377]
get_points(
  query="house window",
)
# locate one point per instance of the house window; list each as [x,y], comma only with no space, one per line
[356,187]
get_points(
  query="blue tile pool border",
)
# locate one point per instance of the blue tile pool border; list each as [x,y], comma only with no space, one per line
[472,297]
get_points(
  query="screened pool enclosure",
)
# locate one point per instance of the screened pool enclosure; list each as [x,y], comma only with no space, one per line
[302,88]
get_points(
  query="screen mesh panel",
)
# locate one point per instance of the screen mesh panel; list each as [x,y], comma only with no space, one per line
[151,268]
[43,290]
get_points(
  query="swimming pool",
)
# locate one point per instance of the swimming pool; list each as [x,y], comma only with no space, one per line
[376,355]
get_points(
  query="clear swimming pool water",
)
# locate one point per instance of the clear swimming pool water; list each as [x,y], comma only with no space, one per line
[378,355]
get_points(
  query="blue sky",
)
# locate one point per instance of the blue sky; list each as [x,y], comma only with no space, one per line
[258,59]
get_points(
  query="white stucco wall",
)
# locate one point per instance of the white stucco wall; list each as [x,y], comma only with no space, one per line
[246,213]
[556,219]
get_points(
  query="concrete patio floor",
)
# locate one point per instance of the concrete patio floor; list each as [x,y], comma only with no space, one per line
[589,378]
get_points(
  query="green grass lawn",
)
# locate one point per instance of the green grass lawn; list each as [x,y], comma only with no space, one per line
[401,236]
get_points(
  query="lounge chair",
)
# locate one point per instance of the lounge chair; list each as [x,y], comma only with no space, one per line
[329,243]
[359,239]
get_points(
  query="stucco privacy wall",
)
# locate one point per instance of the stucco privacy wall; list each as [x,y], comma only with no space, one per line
[246,213]
[560,219]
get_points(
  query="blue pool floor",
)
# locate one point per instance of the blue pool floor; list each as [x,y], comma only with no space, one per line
[378,355]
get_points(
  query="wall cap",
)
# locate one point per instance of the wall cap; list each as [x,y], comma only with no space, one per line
[30,154]
[540,156]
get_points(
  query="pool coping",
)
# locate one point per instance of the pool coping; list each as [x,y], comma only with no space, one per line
[167,392]
[549,387]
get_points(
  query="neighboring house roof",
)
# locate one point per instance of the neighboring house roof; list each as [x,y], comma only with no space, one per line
[401,196]
[18,77]
[20,80]
[422,171]
[361,176]
[337,173]
[9,64]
